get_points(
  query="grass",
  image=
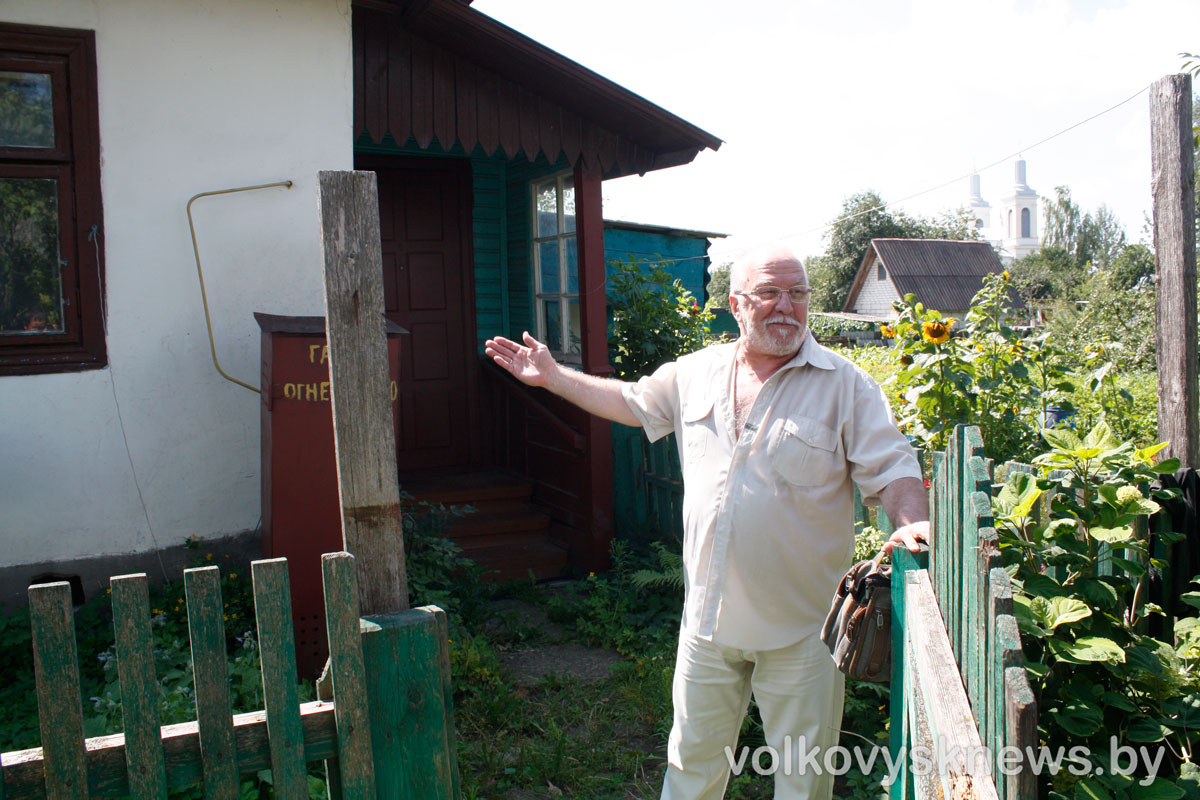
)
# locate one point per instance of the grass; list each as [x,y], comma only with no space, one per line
[562,737]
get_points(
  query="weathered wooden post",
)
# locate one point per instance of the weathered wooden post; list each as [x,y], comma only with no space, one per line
[1173,184]
[405,652]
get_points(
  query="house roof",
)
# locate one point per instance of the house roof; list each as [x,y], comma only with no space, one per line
[682,233]
[548,102]
[942,273]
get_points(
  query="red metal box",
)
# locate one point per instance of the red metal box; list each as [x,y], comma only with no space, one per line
[300,511]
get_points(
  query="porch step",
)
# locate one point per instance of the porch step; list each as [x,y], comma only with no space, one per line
[506,534]
[482,490]
[544,559]
[506,526]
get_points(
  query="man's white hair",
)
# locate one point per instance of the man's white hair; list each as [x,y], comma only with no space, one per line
[761,255]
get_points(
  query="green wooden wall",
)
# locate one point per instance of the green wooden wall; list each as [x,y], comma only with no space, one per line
[490,240]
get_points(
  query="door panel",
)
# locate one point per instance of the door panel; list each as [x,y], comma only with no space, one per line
[425,225]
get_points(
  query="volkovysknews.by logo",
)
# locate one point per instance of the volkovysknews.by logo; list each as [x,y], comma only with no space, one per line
[797,758]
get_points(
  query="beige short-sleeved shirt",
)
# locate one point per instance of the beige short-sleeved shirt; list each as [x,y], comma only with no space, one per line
[768,519]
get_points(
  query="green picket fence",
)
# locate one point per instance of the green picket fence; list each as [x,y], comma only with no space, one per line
[958,645]
[387,733]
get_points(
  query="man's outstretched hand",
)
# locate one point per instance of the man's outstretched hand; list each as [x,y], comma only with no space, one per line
[530,363]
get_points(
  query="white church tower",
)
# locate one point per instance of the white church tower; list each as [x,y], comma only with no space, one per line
[980,209]
[1019,217]
[1013,230]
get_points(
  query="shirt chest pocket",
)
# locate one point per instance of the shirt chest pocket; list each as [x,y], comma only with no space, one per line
[804,452]
[698,428]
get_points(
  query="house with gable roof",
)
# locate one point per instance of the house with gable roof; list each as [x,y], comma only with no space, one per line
[122,440]
[943,274]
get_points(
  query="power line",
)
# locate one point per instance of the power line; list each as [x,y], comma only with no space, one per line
[942,185]
[960,178]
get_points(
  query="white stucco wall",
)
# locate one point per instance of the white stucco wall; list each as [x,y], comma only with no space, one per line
[193,96]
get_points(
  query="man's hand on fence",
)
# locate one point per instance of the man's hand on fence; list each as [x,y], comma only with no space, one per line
[910,536]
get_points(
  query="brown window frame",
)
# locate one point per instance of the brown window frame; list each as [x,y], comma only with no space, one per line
[69,57]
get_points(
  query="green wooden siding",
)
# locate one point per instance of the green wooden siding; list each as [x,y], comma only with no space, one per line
[490,245]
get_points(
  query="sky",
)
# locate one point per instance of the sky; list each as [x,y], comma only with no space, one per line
[819,99]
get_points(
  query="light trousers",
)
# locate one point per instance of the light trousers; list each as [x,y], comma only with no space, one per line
[799,693]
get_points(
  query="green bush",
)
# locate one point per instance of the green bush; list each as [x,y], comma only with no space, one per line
[654,319]
[1081,567]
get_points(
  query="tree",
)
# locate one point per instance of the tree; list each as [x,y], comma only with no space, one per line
[1132,268]
[1101,238]
[1061,222]
[1092,240]
[718,286]
[865,217]
[1050,273]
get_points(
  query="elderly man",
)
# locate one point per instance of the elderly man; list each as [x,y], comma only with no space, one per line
[774,430]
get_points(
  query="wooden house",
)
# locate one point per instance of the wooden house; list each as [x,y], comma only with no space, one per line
[943,274]
[122,440]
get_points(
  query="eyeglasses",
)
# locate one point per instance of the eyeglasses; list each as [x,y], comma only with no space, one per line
[770,294]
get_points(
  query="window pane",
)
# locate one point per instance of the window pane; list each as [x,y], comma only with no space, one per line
[568,206]
[574,327]
[547,209]
[30,280]
[553,325]
[572,265]
[26,110]
[548,266]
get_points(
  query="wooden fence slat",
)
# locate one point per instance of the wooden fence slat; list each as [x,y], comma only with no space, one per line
[954,626]
[139,686]
[983,559]
[60,708]
[999,604]
[941,528]
[206,629]
[1020,730]
[349,676]
[24,770]
[273,611]
[984,556]
[993,736]
[900,736]
[451,748]
[972,640]
[977,512]
[333,779]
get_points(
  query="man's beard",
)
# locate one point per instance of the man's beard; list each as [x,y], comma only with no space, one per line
[778,343]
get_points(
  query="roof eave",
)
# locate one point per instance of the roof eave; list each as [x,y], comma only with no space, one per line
[459,28]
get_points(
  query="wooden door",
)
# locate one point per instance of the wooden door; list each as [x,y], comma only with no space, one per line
[425,224]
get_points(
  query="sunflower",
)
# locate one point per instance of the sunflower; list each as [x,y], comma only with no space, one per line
[1006,275]
[936,331]
[887,332]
